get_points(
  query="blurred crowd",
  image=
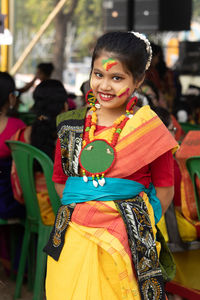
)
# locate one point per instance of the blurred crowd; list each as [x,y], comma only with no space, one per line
[161,90]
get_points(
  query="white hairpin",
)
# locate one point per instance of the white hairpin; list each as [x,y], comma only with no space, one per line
[148,47]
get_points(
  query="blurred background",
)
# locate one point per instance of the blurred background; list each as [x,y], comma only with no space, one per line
[64,32]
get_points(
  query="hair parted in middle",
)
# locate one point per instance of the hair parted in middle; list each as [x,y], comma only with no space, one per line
[132,49]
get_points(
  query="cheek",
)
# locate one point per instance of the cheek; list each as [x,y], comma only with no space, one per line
[94,82]
[123,92]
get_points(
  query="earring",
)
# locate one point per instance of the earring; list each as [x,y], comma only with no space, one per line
[91,100]
[11,106]
[130,105]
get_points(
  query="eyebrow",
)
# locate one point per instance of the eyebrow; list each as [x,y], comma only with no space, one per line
[113,74]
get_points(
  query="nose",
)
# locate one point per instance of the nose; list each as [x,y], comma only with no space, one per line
[105,84]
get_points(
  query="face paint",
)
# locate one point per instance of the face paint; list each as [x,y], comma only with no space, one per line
[108,63]
[123,91]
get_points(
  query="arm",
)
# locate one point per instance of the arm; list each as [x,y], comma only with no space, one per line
[165,195]
[27,86]
[59,188]
[162,175]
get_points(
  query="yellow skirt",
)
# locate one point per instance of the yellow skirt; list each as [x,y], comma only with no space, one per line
[93,265]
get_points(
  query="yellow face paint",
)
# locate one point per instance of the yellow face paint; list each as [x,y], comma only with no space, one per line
[123,91]
[108,63]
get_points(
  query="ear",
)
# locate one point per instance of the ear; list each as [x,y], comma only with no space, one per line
[12,100]
[139,82]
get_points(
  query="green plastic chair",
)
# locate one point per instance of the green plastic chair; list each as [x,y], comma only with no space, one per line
[187,127]
[24,156]
[193,167]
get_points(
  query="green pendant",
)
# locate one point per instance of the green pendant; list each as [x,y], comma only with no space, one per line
[97,157]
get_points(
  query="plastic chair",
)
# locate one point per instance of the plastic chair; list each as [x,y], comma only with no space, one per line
[187,127]
[24,156]
[176,244]
[193,167]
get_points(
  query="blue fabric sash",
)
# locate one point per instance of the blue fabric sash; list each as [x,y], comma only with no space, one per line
[77,191]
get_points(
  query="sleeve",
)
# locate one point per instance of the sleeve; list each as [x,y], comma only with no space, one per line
[162,170]
[58,174]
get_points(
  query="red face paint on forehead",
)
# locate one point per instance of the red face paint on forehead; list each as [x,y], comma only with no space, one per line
[108,63]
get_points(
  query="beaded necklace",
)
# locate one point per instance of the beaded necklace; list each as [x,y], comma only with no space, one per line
[98,155]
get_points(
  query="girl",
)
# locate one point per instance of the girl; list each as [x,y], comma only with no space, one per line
[103,242]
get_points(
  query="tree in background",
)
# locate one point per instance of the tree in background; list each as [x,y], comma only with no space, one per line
[196,10]
[62,19]
[75,28]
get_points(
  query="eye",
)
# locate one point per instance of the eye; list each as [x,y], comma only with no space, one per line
[97,74]
[117,78]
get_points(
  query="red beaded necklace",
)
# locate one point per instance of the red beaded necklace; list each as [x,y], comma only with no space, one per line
[97,155]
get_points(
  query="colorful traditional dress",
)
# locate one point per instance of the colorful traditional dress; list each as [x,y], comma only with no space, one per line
[103,245]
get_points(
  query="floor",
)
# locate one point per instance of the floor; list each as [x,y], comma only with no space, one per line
[7,288]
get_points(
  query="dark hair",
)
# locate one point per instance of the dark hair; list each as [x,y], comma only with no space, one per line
[46,68]
[127,48]
[50,97]
[161,65]
[163,114]
[7,86]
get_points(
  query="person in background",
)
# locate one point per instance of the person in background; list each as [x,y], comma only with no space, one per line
[165,79]
[50,99]
[108,159]
[153,96]
[43,72]
[9,207]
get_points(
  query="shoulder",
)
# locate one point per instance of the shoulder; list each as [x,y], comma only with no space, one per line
[145,113]
[76,114]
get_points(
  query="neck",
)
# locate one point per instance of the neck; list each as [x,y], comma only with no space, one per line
[106,117]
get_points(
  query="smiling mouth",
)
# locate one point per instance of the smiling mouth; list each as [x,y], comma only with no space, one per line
[106,97]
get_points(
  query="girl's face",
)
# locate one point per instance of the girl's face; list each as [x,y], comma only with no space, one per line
[111,83]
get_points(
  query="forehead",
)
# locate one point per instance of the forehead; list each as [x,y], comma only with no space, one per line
[109,62]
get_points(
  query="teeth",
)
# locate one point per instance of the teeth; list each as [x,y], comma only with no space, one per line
[106,96]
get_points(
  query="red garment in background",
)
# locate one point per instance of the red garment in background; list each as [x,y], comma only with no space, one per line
[179,131]
[190,146]
[12,126]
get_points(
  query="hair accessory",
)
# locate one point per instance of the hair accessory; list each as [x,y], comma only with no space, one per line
[148,47]
[91,100]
